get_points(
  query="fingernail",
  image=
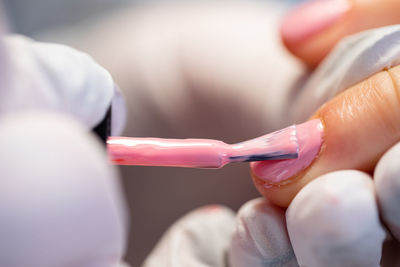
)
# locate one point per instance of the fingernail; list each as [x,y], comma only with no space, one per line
[312,18]
[309,137]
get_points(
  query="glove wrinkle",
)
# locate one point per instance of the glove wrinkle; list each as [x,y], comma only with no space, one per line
[260,238]
[199,239]
[354,59]
[54,77]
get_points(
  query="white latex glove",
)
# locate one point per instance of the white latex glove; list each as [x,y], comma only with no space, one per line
[334,220]
[60,202]
[58,78]
[196,70]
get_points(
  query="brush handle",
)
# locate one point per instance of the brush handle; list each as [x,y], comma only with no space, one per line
[196,153]
[201,153]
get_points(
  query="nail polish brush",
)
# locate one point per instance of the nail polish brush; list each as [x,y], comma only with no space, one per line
[202,153]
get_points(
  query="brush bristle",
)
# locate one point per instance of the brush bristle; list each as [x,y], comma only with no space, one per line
[282,144]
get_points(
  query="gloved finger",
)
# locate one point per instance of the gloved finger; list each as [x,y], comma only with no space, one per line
[352,61]
[387,181]
[56,77]
[312,29]
[60,202]
[260,238]
[359,125]
[334,221]
[199,239]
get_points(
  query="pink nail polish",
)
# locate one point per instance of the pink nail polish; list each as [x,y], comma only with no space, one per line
[309,136]
[312,18]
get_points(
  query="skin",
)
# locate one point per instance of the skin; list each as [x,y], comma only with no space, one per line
[360,125]
[362,15]
[367,111]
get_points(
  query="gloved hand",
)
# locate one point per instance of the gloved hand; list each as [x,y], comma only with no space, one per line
[288,257]
[61,201]
[57,78]
[333,220]
[209,70]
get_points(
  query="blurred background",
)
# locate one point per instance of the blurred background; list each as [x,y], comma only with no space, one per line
[131,39]
[32,16]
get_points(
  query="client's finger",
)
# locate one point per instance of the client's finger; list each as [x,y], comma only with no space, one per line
[260,237]
[334,221]
[387,180]
[311,30]
[60,203]
[359,125]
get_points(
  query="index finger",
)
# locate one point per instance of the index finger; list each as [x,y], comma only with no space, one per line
[360,124]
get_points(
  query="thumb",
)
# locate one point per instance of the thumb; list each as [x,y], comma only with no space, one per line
[311,30]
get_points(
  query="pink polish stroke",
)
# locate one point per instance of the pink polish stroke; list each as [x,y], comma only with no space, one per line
[201,153]
[310,136]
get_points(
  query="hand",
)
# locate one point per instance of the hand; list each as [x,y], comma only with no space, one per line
[320,210]
[336,214]
[205,71]
[61,204]
[58,78]
[368,110]
[60,201]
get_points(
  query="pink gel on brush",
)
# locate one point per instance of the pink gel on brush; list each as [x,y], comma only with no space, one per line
[310,137]
[201,153]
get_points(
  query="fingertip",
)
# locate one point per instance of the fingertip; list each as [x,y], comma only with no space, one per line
[310,52]
[359,126]
[281,194]
[313,29]
[334,221]
[387,182]
[275,179]
[308,30]
[311,18]
[201,237]
[260,237]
